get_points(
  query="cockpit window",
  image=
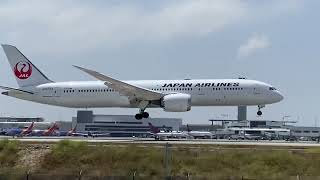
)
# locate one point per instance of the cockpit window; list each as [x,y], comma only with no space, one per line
[272,88]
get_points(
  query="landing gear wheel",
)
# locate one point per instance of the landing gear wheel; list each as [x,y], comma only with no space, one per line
[145,115]
[138,116]
[259,113]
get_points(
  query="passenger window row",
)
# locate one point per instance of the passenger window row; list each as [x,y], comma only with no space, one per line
[154,89]
[89,90]
[233,89]
[172,89]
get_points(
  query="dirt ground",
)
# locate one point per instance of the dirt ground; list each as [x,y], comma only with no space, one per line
[30,155]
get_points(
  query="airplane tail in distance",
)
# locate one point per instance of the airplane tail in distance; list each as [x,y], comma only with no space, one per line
[153,129]
[51,130]
[24,71]
[28,130]
[188,128]
[55,127]
[72,130]
[31,126]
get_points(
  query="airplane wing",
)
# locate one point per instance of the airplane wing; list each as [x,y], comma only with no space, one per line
[79,134]
[99,134]
[132,91]
[14,89]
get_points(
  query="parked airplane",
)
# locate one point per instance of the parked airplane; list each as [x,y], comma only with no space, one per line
[20,131]
[171,95]
[48,132]
[97,134]
[161,135]
[199,134]
[71,132]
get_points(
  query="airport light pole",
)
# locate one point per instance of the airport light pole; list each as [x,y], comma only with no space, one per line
[316,121]
[167,157]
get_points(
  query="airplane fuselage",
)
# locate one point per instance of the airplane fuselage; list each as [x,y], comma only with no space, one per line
[95,94]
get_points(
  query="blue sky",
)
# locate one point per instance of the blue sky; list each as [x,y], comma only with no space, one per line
[273,41]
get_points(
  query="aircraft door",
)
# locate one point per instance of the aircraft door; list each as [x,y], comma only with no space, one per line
[57,92]
[52,92]
[257,91]
[48,94]
[56,95]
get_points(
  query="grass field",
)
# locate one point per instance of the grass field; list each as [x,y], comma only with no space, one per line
[147,161]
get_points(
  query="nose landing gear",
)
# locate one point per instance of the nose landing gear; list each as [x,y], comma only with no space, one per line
[259,113]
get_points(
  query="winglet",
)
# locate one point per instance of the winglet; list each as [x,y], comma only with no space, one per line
[92,73]
[78,67]
[82,69]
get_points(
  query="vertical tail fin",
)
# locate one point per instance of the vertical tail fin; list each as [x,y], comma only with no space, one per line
[28,130]
[25,72]
[30,127]
[153,129]
[51,130]
[72,130]
[188,128]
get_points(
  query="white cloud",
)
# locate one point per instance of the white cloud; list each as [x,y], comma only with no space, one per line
[90,25]
[58,25]
[255,43]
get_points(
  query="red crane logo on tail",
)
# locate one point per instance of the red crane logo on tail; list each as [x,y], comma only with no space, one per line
[23,70]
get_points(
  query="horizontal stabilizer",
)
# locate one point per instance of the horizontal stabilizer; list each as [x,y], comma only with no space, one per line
[14,89]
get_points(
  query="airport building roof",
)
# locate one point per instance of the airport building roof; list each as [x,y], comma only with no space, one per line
[21,119]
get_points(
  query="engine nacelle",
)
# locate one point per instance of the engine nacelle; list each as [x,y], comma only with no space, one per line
[176,102]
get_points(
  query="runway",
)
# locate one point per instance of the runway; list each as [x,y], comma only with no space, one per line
[173,142]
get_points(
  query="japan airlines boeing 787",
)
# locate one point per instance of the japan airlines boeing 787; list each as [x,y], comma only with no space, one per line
[171,95]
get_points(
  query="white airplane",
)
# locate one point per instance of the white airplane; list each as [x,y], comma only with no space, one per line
[162,135]
[199,134]
[171,95]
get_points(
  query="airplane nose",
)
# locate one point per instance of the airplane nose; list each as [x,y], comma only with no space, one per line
[279,96]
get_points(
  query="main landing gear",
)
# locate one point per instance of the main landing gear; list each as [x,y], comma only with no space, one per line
[142,105]
[259,113]
[142,115]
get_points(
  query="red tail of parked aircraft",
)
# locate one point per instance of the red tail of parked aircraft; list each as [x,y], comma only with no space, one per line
[51,130]
[72,131]
[154,129]
[28,130]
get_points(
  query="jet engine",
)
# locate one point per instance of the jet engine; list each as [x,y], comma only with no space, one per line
[176,102]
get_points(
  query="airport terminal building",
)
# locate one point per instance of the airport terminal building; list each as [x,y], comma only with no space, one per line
[122,125]
[128,126]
